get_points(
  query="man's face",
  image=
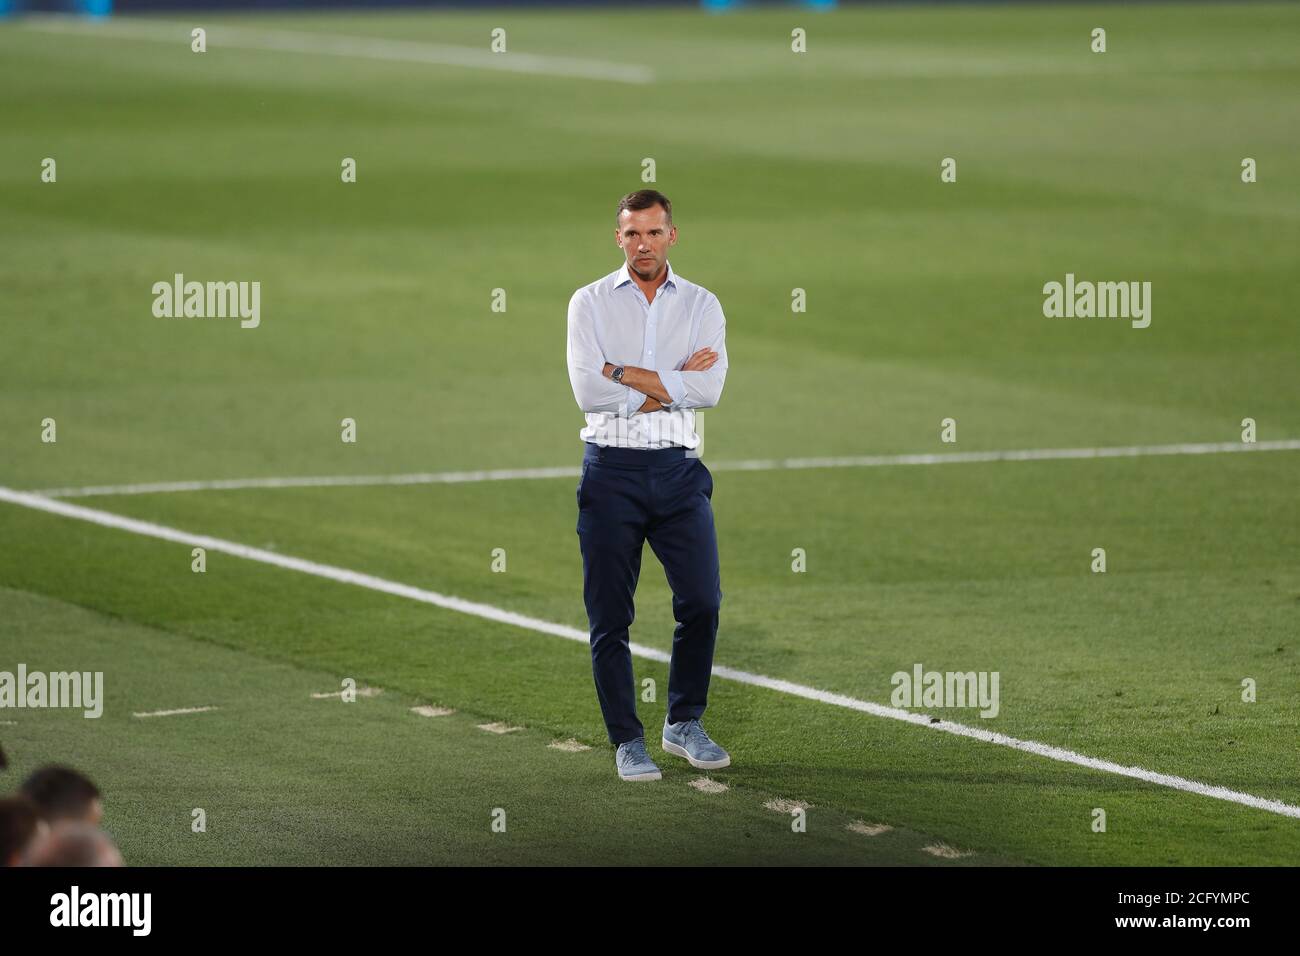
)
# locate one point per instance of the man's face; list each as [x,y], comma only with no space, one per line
[644,236]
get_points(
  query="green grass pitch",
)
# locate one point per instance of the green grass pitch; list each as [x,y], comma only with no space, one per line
[817,171]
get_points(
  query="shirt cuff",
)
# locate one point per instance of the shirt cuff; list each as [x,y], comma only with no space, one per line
[633,402]
[676,388]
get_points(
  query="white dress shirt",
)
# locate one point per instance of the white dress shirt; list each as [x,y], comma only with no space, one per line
[611,321]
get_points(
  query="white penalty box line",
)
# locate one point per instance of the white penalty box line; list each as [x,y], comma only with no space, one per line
[759,464]
[221,36]
[488,612]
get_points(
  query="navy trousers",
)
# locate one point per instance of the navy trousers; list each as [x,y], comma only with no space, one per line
[625,496]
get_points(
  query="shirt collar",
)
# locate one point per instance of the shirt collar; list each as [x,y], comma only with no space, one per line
[625,276]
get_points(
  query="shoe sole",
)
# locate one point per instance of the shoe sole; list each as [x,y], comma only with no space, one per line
[672,748]
[656,775]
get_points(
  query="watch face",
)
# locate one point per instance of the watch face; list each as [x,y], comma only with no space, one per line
[617,374]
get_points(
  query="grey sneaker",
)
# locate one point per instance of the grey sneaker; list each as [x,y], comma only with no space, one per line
[688,739]
[634,763]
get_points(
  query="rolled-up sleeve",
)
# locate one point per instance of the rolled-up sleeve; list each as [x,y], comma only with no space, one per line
[674,385]
[635,400]
[702,389]
[591,389]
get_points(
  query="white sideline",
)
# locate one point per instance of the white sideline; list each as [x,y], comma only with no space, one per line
[759,464]
[333,44]
[109,520]
[173,713]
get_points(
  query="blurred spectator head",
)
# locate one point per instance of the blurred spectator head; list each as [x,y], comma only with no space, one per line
[20,825]
[61,793]
[73,844]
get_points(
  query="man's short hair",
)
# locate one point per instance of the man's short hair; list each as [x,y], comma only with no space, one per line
[60,793]
[644,199]
[20,821]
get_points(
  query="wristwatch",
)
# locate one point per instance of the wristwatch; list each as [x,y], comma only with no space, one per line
[617,374]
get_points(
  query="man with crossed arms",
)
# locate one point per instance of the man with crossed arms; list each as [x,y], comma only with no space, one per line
[645,349]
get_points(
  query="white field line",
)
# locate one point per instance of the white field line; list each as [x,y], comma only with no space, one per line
[342,575]
[498,727]
[360,692]
[173,713]
[221,36]
[431,710]
[758,464]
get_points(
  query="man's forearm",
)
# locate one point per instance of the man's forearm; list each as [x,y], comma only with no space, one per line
[644,380]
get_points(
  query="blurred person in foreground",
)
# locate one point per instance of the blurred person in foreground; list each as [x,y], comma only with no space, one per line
[62,794]
[20,826]
[73,844]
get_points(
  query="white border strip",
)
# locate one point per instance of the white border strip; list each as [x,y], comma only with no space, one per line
[332,44]
[487,611]
[760,464]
